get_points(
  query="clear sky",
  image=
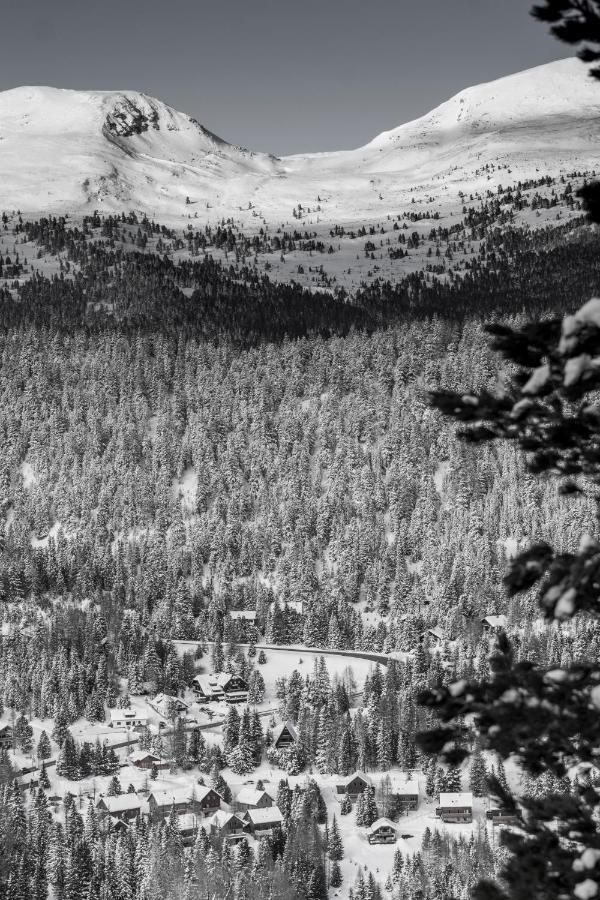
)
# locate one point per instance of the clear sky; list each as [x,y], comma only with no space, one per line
[275,75]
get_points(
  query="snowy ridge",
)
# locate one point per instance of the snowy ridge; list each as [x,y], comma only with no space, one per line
[74,151]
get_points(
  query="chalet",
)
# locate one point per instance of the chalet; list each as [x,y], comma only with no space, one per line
[163,704]
[6,737]
[144,759]
[493,623]
[123,806]
[118,826]
[263,821]
[455,807]
[220,686]
[433,635]
[285,735]
[200,800]
[353,785]
[127,718]
[405,792]
[248,798]
[243,615]
[382,831]
[229,826]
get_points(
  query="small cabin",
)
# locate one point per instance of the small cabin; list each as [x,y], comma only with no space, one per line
[382,831]
[6,737]
[123,806]
[285,736]
[406,793]
[228,825]
[144,759]
[353,785]
[500,816]
[455,807]
[494,623]
[243,615]
[127,718]
[248,798]
[163,704]
[263,821]
[432,635]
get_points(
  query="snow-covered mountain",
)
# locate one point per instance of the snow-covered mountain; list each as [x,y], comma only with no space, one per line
[75,151]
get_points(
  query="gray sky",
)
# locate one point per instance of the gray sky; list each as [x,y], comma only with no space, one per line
[276,75]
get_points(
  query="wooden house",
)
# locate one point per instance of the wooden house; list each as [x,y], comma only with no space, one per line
[220,686]
[263,821]
[455,807]
[228,825]
[285,736]
[144,759]
[405,793]
[243,615]
[123,806]
[382,831]
[353,785]
[200,800]
[164,703]
[249,798]
[432,635]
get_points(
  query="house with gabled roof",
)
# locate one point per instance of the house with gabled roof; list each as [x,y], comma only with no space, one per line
[250,798]
[197,799]
[122,806]
[382,831]
[494,623]
[455,807]
[263,821]
[226,686]
[144,759]
[285,735]
[353,785]
[228,825]
[163,703]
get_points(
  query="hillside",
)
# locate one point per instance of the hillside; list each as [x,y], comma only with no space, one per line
[73,151]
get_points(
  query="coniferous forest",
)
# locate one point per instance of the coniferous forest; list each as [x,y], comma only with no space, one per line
[298,585]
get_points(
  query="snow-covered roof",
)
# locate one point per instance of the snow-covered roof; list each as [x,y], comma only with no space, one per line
[436,632]
[268,815]
[358,774]
[382,823]
[222,818]
[458,799]
[139,755]
[176,796]
[248,614]
[121,803]
[405,785]
[117,715]
[250,796]
[281,728]
[495,621]
[163,701]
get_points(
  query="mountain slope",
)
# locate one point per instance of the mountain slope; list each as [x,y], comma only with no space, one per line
[79,150]
[67,150]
